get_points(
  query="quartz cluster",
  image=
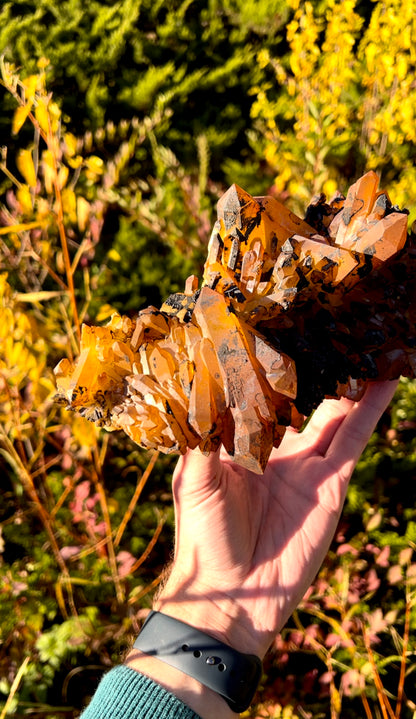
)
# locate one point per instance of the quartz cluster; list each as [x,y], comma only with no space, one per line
[289,312]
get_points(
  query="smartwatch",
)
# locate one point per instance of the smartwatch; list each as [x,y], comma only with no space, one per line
[233,675]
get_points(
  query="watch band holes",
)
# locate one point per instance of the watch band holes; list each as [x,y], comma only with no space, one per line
[197,653]
[185,647]
[221,667]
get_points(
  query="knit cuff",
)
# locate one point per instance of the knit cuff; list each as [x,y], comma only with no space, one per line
[123,693]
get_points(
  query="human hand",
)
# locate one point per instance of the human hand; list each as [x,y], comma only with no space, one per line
[248,546]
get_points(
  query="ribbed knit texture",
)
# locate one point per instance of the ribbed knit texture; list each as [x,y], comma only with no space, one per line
[123,693]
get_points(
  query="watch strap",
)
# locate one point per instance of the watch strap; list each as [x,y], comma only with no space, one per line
[233,675]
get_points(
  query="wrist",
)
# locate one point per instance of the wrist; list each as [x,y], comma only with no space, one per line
[219,616]
[175,601]
[231,674]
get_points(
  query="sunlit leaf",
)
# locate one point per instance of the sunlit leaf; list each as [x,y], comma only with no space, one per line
[24,199]
[374,522]
[405,556]
[63,176]
[69,203]
[83,212]
[55,116]
[75,161]
[43,62]
[41,114]
[19,118]
[48,169]
[71,143]
[25,164]
[85,433]
[60,264]
[95,165]
[30,84]
[105,312]
[41,296]
[114,255]
[21,227]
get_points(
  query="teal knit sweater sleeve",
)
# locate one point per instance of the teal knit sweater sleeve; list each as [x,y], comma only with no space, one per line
[123,693]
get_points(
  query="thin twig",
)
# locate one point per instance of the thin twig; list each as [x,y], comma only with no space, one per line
[49,270]
[14,687]
[385,705]
[146,590]
[149,547]
[65,252]
[30,489]
[49,139]
[403,663]
[137,492]
[366,706]
[97,478]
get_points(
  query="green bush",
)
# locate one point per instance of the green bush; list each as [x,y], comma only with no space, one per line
[169,103]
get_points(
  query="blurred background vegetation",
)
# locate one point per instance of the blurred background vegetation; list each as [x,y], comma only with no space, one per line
[122,123]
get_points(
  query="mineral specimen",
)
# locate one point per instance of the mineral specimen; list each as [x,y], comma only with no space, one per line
[290,311]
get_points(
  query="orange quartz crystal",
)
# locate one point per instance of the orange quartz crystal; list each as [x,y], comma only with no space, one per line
[290,311]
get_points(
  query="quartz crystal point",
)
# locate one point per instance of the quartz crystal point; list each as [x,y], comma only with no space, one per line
[290,311]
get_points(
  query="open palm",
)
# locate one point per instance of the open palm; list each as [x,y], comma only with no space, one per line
[249,545]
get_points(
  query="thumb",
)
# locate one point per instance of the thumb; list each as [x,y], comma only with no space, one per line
[196,473]
[196,477]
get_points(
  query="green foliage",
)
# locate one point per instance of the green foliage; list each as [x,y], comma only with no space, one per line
[67,528]
[355,625]
[110,61]
[108,194]
[342,101]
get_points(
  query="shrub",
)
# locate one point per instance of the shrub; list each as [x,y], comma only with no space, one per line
[226,94]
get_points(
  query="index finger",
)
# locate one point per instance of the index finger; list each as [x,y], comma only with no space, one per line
[356,429]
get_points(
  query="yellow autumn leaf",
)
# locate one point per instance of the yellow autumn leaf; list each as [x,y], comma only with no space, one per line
[31,84]
[70,144]
[20,116]
[24,199]
[69,203]
[85,433]
[59,260]
[114,255]
[48,169]
[26,167]
[42,63]
[55,116]
[336,699]
[43,211]
[41,391]
[95,165]
[75,161]
[401,67]
[63,176]
[41,114]
[83,213]
[40,296]
[329,187]
[4,285]
[20,227]
[374,522]
[6,324]
[105,312]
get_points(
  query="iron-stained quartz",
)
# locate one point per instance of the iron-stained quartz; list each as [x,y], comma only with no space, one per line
[289,311]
